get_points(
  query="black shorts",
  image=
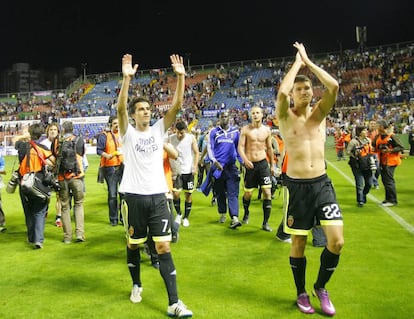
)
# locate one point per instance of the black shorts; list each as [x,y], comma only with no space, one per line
[184,182]
[308,202]
[259,175]
[146,214]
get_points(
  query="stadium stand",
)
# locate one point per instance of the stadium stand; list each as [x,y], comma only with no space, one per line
[372,83]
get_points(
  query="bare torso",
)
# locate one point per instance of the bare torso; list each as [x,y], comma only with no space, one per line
[304,144]
[255,142]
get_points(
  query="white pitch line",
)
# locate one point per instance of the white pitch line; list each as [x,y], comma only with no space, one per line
[389,211]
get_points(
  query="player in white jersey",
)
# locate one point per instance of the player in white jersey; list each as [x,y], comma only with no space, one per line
[145,209]
[184,169]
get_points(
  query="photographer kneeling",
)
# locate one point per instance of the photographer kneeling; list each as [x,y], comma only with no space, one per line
[362,163]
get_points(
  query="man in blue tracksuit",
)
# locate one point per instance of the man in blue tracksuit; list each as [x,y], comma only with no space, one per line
[222,150]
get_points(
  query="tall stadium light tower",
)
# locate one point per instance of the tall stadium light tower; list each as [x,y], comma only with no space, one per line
[187,57]
[84,65]
[361,36]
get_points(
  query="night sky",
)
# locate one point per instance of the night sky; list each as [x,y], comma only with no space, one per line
[55,34]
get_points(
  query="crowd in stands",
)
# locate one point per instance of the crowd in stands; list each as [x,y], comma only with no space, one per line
[375,84]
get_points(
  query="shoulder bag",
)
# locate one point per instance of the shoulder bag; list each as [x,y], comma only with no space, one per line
[32,183]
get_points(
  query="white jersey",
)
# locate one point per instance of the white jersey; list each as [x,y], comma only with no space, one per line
[143,159]
[46,142]
[185,152]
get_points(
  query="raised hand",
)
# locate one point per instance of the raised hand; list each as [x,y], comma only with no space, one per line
[127,69]
[302,52]
[299,59]
[177,64]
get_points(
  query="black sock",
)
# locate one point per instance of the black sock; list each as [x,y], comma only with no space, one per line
[187,209]
[329,261]
[177,205]
[168,273]
[133,261]
[267,208]
[246,204]
[298,266]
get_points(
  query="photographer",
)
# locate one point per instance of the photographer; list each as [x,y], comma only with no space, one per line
[388,148]
[69,150]
[34,208]
[112,166]
[362,163]
[52,131]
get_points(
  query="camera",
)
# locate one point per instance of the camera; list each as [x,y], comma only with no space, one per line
[383,147]
[12,184]
[50,181]
[358,149]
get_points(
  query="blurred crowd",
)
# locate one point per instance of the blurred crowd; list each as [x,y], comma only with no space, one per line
[375,84]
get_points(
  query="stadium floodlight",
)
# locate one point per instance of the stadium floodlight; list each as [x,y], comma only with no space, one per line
[84,65]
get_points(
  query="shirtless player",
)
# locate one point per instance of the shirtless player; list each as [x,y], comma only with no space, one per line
[310,191]
[254,144]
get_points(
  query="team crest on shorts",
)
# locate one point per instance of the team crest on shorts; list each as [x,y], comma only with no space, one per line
[131,231]
[290,220]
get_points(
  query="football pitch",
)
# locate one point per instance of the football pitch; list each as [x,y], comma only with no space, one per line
[221,273]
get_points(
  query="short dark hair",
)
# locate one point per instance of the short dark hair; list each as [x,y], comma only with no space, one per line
[112,118]
[302,78]
[36,130]
[67,127]
[359,129]
[132,105]
[181,125]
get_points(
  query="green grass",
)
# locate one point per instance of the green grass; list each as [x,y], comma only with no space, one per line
[222,273]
